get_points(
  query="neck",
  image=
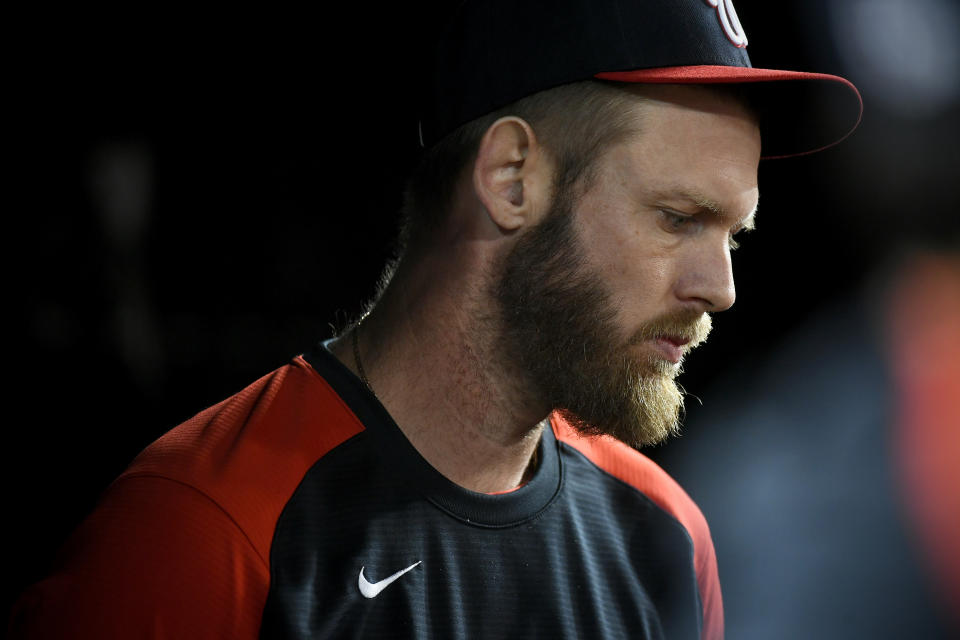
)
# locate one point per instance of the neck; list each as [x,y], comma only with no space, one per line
[428,353]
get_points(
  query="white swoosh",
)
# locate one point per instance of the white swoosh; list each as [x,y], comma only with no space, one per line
[372,589]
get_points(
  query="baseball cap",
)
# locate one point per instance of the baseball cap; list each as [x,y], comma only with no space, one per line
[491,53]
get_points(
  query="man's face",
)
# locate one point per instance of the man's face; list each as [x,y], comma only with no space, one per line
[601,300]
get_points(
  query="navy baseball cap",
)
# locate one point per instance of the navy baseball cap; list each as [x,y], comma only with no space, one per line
[494,52]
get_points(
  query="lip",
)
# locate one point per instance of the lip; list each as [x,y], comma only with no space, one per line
[671,347]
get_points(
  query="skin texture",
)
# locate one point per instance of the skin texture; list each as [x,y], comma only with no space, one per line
[649,235]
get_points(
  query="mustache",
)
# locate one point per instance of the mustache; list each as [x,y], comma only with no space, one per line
[693,328]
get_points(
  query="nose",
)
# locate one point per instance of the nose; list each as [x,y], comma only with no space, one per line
[706,279]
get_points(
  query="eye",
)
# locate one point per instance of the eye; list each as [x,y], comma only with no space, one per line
[675,222]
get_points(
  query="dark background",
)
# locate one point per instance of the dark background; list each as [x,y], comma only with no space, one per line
[198,198]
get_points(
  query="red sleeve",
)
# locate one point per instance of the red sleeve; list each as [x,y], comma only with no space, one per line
[179,545]
[640,472]
[709,582]
[157,559]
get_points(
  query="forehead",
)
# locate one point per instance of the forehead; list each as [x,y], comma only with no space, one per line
[690,141]
[694,110]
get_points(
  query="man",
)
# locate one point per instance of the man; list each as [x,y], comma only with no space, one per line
[445,466]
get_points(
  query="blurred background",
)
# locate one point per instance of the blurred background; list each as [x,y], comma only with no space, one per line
[198,198]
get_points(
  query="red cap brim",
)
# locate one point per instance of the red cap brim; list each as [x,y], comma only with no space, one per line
[790,124]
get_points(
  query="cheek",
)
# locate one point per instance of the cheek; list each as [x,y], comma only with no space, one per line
[646,283]
[638,279]
[629,256]
[640,260]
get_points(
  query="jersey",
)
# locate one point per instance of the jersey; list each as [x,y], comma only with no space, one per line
[298,509]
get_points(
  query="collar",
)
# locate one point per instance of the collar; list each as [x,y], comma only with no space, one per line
[479,509]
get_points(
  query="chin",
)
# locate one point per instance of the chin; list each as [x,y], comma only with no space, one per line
[651,364]
[640,406]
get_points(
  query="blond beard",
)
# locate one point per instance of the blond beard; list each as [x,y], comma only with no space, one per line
[643,404]
[558,326]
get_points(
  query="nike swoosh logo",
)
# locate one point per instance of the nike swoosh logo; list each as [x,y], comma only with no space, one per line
[373,589]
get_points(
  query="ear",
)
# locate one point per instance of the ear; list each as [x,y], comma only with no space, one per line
[511,176]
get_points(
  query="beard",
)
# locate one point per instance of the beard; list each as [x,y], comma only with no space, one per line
[558,332]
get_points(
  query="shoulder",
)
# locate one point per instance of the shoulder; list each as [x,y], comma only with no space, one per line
[642,474]
[248,453]
[184,534]
[638,471]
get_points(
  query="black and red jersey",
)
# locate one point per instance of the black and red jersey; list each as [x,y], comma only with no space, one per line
[298,509]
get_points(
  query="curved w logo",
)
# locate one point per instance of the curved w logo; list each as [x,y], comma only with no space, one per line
[729,21]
